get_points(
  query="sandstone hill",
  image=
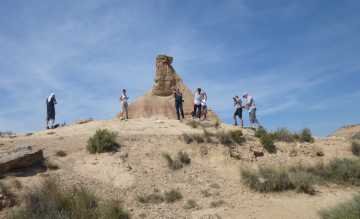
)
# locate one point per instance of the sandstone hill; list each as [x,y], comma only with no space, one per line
[159,101]
[212,179]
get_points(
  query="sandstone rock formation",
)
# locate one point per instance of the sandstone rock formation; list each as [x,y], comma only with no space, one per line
[20,157]
[159,102]
[165,78]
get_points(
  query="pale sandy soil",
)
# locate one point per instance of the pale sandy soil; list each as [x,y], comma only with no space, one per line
[138,168]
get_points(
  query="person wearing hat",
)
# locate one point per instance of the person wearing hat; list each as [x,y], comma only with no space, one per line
[238,111]
[50,111]
[250,105]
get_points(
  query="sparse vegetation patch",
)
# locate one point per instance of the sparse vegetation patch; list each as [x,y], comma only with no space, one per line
[303,179]
[348,210]
[268,143]
[103,141]
[51,201]
[182,159]
[355,148]
[61,153]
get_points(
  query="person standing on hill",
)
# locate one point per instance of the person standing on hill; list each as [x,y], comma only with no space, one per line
[250,105]
[204,104]
[238,111]
[179,103]
[124,104]
[50,111]
[197,103]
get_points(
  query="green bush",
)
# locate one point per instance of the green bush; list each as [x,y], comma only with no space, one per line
[346,210]
[275,179]
[237,136]
[283,134]
[184,157]
[61,153]
[51,201]
[260,132]
[172,196]
[172,164]
[190,204]
[268,143]
[306,136]
[302,179]
[154,198]
[102,141]
[355,148]
[356,136]
[340,171]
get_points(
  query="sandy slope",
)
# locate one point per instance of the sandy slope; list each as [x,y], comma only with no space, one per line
[138,168]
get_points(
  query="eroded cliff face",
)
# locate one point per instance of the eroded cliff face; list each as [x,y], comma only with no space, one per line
[166,79]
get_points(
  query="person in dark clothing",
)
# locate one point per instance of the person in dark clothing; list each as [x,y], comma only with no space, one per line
[50,109]
[179,103]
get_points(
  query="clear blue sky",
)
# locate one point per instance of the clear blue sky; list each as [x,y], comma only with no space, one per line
[299,59]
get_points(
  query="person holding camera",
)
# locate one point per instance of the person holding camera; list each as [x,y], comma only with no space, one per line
[179,103]
[238,111]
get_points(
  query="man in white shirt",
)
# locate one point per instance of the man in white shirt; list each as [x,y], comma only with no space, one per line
[124,104]
[250,105]
[197,103]
[238,110]
[204,104]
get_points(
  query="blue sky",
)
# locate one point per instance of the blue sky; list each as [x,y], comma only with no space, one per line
[299,59]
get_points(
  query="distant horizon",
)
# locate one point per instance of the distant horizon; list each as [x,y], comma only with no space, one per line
[299,59]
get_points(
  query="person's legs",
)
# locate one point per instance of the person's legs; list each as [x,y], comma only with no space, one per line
[235,119]
[194,112]
[252,116]
[204,109]
[177,107]
[198,111]
[124,112]
[240,114]
[182,111]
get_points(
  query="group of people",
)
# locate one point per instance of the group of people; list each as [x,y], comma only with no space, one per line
[248,104]
[200,104]
[200,107]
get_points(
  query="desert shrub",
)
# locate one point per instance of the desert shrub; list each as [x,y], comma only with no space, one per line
[102,141]
[276,179]
[356,136]
[355,148]
[268,143]
[267,179]
[184,157]
[302,179]
[215,204]
[187,138]
[198,138]
[61,153]
[51,165]
[173,164]
[283,134]
[348,210]
[306,136]
[217,124]
[260,132]
[237,136]
[193,124]
[224,138]
[206,193]
[190,204]
[154,198]
[8,198]
[51,201]
[172,196]
[340,171]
